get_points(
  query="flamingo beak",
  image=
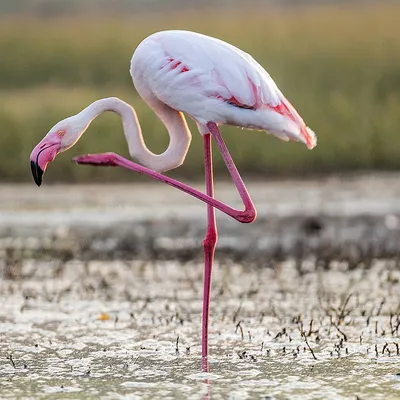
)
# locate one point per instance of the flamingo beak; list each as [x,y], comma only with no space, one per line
[44,153]
[37,173]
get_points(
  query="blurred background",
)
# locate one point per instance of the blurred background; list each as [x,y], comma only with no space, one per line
[338,62]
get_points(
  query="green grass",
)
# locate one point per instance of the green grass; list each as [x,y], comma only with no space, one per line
[339,66]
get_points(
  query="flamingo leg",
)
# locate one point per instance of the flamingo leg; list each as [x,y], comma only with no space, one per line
[237,179]
[246,216]
[209,247]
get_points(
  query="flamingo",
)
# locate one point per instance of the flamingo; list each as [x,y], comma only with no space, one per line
[214,83]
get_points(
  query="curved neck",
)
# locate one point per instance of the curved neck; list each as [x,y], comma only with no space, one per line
[179,133]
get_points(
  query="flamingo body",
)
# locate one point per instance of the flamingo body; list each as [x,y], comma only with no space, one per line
[211,80]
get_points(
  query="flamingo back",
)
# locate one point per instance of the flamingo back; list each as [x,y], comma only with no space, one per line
[213,81]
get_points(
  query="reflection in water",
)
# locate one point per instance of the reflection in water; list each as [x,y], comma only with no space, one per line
[205,366]
[207,396]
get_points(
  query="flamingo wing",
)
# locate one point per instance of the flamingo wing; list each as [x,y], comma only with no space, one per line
[219,68]
[214,81]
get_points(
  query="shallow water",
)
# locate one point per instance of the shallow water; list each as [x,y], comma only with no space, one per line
[109,330]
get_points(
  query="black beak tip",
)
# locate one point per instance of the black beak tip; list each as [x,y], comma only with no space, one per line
[37,173]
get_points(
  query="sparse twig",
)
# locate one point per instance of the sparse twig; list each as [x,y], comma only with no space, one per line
[237,313]
[310,331]
[239,326]
[303,334]
[11,361]
[309,347]
[396,328]
[341,332]
[391,323]
[380,307]
[342,309]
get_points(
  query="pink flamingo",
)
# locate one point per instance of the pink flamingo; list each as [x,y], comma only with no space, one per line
[213,82]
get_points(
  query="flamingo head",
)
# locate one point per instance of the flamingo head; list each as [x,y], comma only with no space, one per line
[60,138]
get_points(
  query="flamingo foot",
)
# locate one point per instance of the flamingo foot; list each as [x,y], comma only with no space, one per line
[103,159]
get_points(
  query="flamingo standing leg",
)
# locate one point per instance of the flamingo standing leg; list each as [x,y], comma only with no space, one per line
[209,246]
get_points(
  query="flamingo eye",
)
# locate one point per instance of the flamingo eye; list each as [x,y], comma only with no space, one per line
[61,133]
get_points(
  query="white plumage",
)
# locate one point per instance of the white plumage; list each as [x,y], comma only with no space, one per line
[211,80]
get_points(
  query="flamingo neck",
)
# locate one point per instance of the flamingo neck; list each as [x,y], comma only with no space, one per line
[179,133]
